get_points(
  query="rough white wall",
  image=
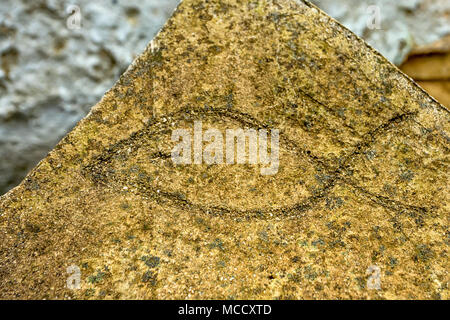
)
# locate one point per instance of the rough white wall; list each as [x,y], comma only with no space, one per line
[51,75]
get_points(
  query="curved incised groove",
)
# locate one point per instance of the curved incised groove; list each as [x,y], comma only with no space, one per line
[158,127]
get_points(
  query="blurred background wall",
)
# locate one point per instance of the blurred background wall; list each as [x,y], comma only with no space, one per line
[57,59]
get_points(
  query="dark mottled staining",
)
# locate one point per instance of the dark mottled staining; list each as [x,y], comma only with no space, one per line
[216,244]
[96,278]
[423,253]
[149,277]
[151,261]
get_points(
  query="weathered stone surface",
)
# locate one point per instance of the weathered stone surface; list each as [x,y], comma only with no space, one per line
[362,181]
[45,67]
[50,75]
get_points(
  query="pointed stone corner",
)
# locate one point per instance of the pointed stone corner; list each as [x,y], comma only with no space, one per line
[357,206]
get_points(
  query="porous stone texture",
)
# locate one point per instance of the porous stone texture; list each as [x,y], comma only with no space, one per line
[50,75]
[361,192]
[404,24]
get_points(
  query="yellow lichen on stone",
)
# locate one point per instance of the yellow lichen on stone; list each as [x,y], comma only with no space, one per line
[362,182]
